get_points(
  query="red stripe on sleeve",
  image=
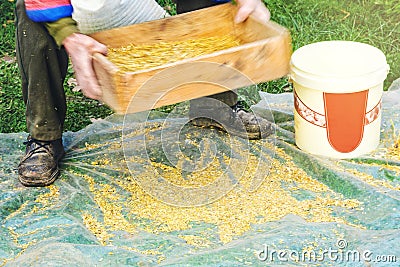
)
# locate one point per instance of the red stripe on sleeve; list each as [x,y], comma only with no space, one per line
[45,4]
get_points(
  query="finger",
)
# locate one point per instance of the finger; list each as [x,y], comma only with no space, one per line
[94,92]
[262,13]
[87,80]
[243,13]
[91,89]
[100,48]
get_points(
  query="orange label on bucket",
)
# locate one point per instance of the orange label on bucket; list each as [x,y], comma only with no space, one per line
[345,119]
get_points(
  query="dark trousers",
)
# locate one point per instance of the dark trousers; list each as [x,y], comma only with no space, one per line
[228,98]
[43,67]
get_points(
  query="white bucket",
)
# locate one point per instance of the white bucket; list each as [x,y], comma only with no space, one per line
[338,88]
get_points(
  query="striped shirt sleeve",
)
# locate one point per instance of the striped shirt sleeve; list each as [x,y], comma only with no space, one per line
[48,10]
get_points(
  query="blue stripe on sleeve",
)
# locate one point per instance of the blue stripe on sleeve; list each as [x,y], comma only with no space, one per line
[51,14]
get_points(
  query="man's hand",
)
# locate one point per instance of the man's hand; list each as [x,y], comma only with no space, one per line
[81,48]
[252,7]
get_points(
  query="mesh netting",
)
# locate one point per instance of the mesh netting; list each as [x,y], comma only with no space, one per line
[149,189]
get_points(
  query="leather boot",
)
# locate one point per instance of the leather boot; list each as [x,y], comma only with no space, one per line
[39,166]
[233,120]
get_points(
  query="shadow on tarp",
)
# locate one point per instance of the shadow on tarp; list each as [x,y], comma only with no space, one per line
[308,210]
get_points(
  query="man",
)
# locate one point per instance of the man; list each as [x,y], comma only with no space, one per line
[48,31]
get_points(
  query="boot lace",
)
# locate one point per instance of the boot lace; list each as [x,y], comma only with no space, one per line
[238,107]
[38,145]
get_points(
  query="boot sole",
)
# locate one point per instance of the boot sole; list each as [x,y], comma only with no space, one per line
[39,182]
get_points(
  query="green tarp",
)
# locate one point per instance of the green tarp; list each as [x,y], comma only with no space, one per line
[150,190]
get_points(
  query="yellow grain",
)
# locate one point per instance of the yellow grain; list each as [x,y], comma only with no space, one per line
[132,58]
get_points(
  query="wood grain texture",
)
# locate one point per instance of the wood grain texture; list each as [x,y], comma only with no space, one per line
[263,56]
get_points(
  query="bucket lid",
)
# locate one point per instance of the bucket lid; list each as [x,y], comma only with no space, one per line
[338,66]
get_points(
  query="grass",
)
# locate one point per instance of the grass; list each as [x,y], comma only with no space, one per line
[376,22]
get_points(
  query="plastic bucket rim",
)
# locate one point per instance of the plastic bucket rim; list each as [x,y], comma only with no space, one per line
[294,58]
[384,67]
[346,82]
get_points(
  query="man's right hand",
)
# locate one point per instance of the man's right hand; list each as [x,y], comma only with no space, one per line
[256,8]
[81,48]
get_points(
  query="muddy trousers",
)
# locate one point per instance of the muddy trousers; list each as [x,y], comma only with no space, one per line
[225,99]
[43,67]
